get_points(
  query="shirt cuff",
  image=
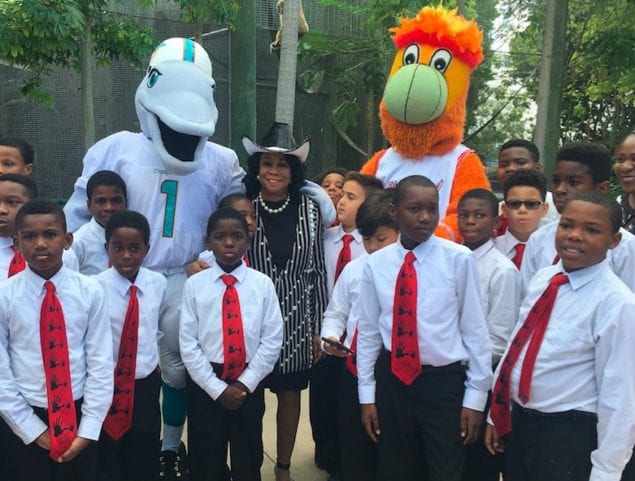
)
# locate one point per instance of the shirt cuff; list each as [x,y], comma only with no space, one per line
[474,399]
[89,428]
[366,394]
[31,429]
[599,475]
[216,388]
[249,379]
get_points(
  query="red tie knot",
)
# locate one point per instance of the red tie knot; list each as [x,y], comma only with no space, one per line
[347,239]
[410,258]
[49,286]
[520,247]
[133,291]
[559,279]
[228,279]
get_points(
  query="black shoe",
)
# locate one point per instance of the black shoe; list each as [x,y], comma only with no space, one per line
[173,466]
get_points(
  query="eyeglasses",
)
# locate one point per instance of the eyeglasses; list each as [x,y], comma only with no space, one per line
[529,204]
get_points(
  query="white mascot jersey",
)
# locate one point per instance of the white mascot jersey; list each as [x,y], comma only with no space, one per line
[174,176]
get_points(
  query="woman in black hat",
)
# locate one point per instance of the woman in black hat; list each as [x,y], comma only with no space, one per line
[288,247]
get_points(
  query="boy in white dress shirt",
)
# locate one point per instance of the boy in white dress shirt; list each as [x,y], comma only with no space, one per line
[579,167]
[515,155]
[106,192]
[56,346]
[230,337]
[524,207]
[500,300]
[568,375]
[342,244]
[376,224]
[129,443]
[15,191]
[423,352]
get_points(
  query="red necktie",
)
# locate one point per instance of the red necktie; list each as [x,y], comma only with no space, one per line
[351,361]
[404,357]
[533,328]
[233,340]
[18,263]
[119,419]
[61,408]
[518,256]
[503,224]
[345,255]
[555,260]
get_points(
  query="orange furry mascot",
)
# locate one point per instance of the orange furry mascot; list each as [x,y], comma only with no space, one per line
[422,111]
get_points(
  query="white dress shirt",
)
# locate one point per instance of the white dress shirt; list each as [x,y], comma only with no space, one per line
[541,252]
[201,326]
[151,288]
[450,322]
[340,316]
[89,246]
[6,256]
[506,244]
[333,245]
[22,385]
[586,361]
[500,295]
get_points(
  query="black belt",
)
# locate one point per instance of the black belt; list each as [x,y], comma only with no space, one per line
[571,414]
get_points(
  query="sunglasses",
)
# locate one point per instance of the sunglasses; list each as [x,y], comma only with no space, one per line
[529,204]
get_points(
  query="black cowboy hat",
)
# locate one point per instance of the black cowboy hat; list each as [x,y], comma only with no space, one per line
[278,140]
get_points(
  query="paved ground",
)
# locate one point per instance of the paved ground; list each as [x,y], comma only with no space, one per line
[302,466]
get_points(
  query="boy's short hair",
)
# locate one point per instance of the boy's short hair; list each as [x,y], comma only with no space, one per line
[526,144]
[526,178]
[369,183]
[40,207]
[228,200]
[484,195]
[334,170]
[26,151]
[130,219]
[226,213]
[375,212]
[411,181]
[105,177]
[594,156]
[27,182]
[605,200]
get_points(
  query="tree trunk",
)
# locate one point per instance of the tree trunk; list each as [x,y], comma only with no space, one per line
[547,131]
[86,78]
[285,95]
[243,78]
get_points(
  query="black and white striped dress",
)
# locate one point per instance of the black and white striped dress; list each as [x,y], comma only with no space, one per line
[300,285]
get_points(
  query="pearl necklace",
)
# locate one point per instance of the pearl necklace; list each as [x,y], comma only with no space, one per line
[269,209]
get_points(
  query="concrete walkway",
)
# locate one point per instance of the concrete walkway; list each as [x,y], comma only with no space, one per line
[302,466]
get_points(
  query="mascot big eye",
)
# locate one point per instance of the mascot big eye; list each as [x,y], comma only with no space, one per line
[175,103]
[422,111]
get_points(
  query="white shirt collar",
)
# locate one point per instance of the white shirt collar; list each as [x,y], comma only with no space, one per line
[340,233]
[239,272]
[122,284]
[37,282]
[484,249]
[585,275]
[6,241]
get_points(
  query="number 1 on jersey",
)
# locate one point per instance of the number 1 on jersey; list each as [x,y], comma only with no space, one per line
[169,188]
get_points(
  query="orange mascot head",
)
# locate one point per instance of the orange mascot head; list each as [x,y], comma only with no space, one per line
[422,111]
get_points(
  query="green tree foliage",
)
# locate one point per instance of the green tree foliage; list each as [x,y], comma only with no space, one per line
[37,35]
[598,102]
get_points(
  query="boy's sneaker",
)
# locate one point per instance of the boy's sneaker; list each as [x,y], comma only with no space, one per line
[173,466]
